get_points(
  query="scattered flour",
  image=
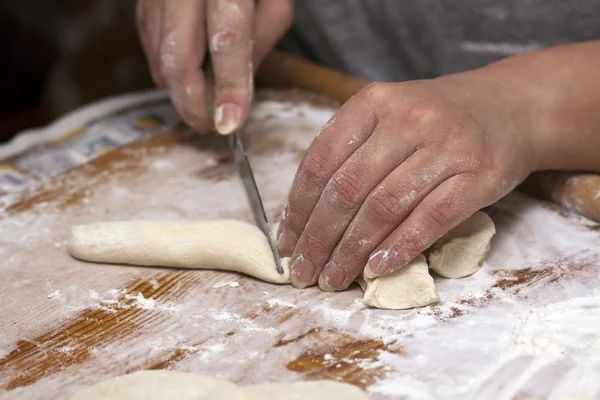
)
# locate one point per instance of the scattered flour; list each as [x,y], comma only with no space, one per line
[245,324]
[232,284]
[570,326]
[278,302]
[55,294]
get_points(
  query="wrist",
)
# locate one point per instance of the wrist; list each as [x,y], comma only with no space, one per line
[523,106]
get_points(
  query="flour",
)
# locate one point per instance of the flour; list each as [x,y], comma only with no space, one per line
[207,352]
[114,299]
[569,326]
[232,284]
[154,283]
[404,387]
[243,323]
[141,301]
[162,164]
[278,302]
[55,294]
[68,349]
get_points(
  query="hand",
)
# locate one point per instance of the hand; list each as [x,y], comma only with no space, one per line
[240,33]
[395,168]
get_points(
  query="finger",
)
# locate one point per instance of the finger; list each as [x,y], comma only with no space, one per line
[445,207]
[154,29]
[141,19]
[271,20]
[229,26]
[148,16]
[383,210]
[342,198]
[345,132]
[182,53]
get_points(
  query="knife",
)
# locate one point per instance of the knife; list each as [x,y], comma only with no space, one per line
[241,159]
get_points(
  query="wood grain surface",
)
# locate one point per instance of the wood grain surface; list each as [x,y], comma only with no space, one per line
[65,323]
[579,192]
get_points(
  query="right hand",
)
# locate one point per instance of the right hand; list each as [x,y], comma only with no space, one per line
[174,35]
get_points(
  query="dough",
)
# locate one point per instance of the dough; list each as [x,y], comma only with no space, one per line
[163,385]
[222,244]
[155,385]
[461,251]
[228,245]
[409,287]
[312,390]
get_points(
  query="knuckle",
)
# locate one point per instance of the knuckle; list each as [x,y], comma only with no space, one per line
[316,166]
[346,189]
[374,93]
[384,205]
[425,112]
[226,41]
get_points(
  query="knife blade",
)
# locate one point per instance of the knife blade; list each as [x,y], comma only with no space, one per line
[241,159]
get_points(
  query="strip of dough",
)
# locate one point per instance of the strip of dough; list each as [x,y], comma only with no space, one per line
[222,244]
[461,251]
[228,245]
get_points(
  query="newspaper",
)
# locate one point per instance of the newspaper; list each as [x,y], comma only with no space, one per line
[82,136]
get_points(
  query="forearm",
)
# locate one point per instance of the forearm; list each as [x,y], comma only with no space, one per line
[558,91]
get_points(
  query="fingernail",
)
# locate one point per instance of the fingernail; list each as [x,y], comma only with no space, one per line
[368,272]
[332,278]
[302,272]
[287,241]
[376,265]
[227,118]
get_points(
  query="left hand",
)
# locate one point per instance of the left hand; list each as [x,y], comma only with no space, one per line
[398,166]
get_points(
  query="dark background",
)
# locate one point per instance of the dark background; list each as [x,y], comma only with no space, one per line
[58,55]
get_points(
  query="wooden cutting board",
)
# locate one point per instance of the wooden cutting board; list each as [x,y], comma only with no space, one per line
[65,323]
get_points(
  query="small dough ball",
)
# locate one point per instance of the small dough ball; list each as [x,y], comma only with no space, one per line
[409,287]
[461,251]
[155,385]
[313,390]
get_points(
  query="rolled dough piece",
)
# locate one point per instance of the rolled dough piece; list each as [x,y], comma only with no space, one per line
[155,385]
[222,244]
[162,385]
[409,287]
[461,251]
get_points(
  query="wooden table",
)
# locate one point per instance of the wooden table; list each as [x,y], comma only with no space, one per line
[65,323]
